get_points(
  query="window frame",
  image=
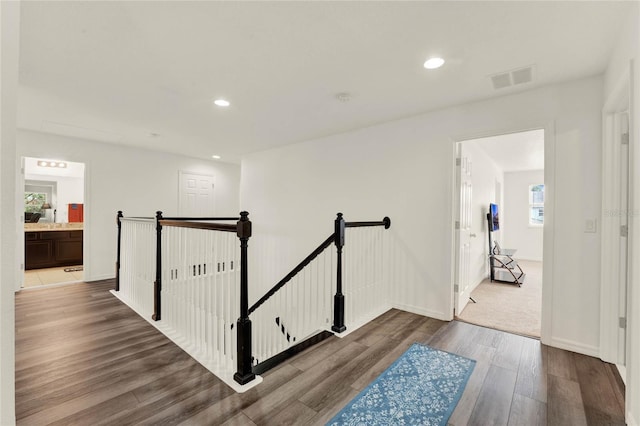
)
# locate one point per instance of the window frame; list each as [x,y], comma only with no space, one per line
[532,205]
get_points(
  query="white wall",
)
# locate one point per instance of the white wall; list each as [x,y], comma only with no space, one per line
[527,239]
[485,174]
[9,219]
[628,50]
[404,169]
[136,181]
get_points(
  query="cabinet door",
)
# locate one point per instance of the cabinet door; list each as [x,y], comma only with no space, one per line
[38,254]
[69,251]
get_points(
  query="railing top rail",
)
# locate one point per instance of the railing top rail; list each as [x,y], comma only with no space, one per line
[138,219]
[293,273]
[201,218]
[200,225]
[386,222]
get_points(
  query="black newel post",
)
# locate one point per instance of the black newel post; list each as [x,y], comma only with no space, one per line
[244,373]
[118,217]
[157,285]
[338,299]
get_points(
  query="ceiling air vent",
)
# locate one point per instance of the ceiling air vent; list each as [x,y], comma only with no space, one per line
[501,81]
[512,78]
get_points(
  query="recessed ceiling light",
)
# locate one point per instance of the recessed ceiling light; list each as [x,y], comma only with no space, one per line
[222,102]
[216,157]
[433,63]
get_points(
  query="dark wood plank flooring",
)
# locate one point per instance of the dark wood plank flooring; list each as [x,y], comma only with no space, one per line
[84,358]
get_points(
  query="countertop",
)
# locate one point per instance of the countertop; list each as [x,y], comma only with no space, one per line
[45,227]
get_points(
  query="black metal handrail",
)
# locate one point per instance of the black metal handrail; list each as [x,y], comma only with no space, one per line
[200,225]
[386,222]
[322,247]
[202,218]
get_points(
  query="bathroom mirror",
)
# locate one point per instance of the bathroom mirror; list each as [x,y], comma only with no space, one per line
[40,197]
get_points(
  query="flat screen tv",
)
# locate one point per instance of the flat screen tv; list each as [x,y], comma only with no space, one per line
[495,220]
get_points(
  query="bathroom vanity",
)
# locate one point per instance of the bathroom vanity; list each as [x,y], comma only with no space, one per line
[52,245]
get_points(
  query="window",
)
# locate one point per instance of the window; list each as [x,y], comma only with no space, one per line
[33,201]
[536,205]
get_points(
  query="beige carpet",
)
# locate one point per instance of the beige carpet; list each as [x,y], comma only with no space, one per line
[508,307]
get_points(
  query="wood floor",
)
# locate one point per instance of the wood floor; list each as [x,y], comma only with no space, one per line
[84,358]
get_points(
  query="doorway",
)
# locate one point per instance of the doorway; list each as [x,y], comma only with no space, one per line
[616,247]
[498,280]
[53,240]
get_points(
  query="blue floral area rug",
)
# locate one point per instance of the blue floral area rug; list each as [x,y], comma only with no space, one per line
[422,387]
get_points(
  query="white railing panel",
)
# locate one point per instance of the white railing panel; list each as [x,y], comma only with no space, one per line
[364,286]
[297,311]
[137,264]
[200,293]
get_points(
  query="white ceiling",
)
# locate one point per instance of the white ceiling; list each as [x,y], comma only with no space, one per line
[515,152]
[121,71]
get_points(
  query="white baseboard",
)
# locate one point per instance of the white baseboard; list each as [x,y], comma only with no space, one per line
[422,311]
[362,321]
[573,346]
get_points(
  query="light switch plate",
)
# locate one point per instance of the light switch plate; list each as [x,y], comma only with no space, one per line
[590,225]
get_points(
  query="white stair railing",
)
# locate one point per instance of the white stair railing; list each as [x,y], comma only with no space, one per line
[138,263]
[200,293]
[324,292]
[298,310]
[190,276]
[364,284]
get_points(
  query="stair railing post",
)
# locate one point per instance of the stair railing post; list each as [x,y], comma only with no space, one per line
[244,373]
[157,284]
[338,299]
[119,222]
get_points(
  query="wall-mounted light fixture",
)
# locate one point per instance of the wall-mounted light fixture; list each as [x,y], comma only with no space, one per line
[54,164]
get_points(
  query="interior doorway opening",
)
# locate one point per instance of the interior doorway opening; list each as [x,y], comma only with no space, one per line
[499,232]
[616,249]
[54,200]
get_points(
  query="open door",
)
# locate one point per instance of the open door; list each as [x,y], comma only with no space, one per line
[462,289]
[623,119]
[616,190]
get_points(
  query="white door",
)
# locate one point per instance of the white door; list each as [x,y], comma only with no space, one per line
[615,246]
[196,195]
[624,230]
[462,288]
